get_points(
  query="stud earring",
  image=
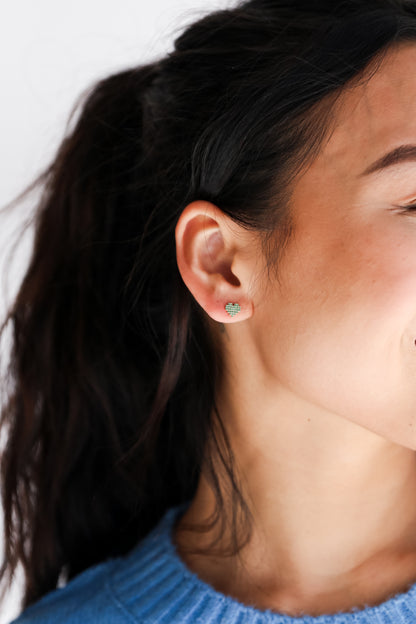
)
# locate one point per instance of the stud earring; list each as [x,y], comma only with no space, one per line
[233,308]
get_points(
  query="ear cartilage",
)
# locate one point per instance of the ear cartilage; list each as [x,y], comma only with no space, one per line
[233,308]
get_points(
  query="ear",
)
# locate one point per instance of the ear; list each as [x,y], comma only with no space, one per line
[215,261]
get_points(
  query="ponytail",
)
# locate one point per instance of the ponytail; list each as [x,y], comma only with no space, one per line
[90,336]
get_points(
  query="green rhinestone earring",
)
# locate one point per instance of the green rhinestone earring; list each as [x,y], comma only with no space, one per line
[233,308]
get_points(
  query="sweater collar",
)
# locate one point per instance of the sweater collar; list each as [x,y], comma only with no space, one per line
[155,586]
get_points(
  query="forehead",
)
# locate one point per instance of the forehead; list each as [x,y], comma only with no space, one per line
[372,118]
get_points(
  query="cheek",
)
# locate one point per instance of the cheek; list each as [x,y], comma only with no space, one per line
[385,274]
[339,326]
[363,270]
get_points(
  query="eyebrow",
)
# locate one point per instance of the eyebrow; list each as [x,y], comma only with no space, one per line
[403,153]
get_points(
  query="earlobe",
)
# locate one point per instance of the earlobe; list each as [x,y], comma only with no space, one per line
[205,253]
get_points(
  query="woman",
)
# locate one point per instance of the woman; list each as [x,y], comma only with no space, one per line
[213,406]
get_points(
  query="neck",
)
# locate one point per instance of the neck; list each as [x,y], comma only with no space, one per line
[333,506]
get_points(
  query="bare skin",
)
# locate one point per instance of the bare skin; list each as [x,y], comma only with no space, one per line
[319,398]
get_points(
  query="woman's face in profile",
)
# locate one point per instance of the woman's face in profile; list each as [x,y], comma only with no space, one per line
[344,318]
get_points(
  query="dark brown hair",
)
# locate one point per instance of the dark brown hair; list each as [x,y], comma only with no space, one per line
[111,381]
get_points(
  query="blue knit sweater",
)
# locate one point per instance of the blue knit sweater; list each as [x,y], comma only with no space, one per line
[152,585]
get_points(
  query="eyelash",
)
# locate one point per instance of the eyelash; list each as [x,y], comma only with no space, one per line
[409,208]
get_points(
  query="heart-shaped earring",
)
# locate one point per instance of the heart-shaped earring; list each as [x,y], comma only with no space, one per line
[233,308]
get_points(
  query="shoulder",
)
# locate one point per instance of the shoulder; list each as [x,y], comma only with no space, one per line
[140,587]
[86,599]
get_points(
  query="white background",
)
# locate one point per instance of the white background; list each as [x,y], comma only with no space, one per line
[49,52]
